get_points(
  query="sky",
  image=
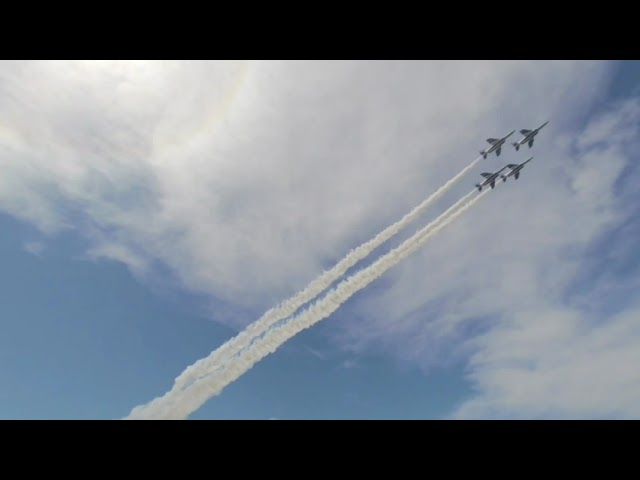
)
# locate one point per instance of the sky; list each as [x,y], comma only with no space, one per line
[152,210]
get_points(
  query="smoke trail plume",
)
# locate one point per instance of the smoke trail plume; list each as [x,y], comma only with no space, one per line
[317,286]
[179,405]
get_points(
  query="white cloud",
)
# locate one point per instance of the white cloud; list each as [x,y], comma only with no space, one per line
[558,364]
[248,178]
[119,253]
[617,125]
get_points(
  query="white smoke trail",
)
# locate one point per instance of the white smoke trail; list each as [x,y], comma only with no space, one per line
[179,405]
[317,286]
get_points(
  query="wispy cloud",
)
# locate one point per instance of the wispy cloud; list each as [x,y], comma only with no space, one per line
[558,364]
[316,353]
[34,248]
[120,253]
[348,364]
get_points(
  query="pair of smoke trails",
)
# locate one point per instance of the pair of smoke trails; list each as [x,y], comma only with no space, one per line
[207,365]
[180,404]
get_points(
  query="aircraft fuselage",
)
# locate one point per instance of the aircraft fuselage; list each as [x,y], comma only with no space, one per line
[529,137]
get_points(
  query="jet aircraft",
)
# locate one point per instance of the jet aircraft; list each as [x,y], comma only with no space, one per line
[489,179]
[529,136]
[496,145]
[515,169]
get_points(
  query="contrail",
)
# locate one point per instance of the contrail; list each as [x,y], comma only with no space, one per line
[317,286]
[180,405]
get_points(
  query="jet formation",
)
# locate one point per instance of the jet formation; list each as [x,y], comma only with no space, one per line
[514,169]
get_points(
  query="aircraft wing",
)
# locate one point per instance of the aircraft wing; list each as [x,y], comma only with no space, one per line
[524,131]
[492,140]
[489,175]
[512,165]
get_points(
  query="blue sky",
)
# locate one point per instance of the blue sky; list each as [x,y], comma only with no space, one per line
[84,339]
[120,274]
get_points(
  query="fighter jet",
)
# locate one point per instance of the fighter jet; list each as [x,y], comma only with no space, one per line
[496,145]
[515,170]
[489,179]
[529,136]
